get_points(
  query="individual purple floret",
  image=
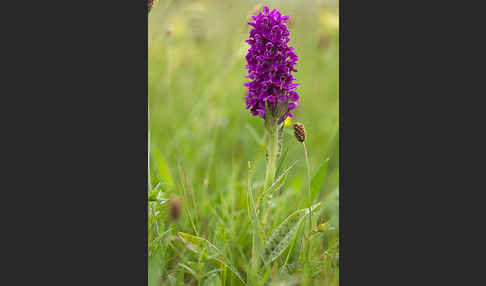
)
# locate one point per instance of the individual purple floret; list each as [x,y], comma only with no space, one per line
[270,63]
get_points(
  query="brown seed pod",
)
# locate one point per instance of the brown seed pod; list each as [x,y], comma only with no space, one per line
[299,131]
[175,207]
[150,4]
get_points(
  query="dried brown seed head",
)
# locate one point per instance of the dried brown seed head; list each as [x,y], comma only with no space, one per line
[175,207]
[150,4]
[299,131]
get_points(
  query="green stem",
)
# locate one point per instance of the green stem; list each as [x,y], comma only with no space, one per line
[254,253]
[272,151]
[253,215]
[310,198]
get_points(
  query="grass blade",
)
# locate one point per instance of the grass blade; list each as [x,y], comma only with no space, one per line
[282,235]
[156,240]
[254,134]
[202,246]
[164,170]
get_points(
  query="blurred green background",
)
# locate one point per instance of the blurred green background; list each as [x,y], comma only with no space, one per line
[197,117]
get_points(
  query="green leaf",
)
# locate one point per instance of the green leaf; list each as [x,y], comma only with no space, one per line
[322,228]
[160,237]
[152,196]
[318,179]
[189,269]
[205,248]
[276,185]
[154,268]
[212,280]
[282,235]
[164,170]
[156,195]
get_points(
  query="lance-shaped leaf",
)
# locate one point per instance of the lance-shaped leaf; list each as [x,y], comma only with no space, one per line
[282,235]
[277,184]
[202,246]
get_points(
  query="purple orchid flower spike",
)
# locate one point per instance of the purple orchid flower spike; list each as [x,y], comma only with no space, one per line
[271,91]
[270,64]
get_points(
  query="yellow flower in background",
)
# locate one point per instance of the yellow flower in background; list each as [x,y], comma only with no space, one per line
[287,122]
[330,20]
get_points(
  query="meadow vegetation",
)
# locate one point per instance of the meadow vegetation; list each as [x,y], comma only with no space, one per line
[210,221]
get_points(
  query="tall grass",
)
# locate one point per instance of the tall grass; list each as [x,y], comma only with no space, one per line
[201,139]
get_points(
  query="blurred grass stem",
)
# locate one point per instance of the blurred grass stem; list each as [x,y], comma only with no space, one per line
[309,197]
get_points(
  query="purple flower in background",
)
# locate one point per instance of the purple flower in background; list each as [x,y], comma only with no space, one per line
[270,63]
